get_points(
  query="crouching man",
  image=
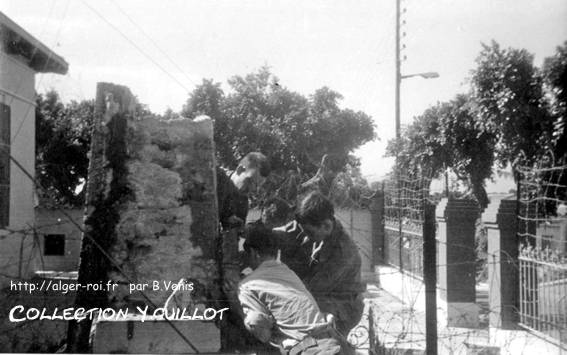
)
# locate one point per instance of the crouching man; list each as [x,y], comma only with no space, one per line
[324,256]
[278,309]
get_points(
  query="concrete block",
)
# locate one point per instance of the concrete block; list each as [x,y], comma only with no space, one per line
[462,314]
[154,337]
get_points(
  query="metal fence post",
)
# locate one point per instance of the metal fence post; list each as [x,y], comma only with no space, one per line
[430,278]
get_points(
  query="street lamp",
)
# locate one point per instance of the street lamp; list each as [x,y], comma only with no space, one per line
[428,75]
[399,77]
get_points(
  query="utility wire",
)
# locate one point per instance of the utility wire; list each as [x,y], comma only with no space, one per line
[105,253]
[153,42]
[136,46]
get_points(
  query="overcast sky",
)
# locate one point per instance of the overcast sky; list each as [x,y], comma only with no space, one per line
[345,45]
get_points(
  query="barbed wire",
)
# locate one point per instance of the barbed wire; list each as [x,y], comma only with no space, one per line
[547,191]
[104,253]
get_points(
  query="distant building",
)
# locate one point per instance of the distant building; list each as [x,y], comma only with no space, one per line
[59,239]
[21,57]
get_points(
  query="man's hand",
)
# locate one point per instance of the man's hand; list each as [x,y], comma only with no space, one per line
[291,227]
[236,223]
[230,288]
[259,324]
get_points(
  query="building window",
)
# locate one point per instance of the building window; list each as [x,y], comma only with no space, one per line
[4,165]
[54,244]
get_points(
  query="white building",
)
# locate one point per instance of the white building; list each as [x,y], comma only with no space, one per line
[21,57]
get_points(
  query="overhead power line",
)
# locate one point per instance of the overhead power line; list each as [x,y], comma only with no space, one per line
[137,47]
[140,28]
[104,253]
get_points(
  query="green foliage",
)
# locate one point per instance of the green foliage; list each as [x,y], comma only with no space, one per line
[350,189]
[508,91]
[472,149]
[555,83]
[422,149]
[514,111]
[259,114]
[62,144]
[447,136]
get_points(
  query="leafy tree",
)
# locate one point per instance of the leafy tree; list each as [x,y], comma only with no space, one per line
[169,114]
[507,89]
[555,83]
[62,144]
[204,100]
[350,189]
[294,131]
[514,111]
[422,149]
[447,136]
[472,149]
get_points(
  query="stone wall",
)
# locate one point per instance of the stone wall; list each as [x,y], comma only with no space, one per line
[168,230]
[151,210]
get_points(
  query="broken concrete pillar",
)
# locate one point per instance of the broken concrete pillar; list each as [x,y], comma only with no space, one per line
[168,230]
[151,211]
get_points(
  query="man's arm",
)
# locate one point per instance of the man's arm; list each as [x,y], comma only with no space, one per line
[287,235]
[336,273]
[293,244]
[257,320]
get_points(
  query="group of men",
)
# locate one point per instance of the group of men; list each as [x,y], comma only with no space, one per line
[304,294]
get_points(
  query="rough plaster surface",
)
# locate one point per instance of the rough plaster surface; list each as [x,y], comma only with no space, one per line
[168,231]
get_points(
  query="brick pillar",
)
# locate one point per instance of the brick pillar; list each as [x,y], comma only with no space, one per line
[378,234]
[457,259]
[502,269]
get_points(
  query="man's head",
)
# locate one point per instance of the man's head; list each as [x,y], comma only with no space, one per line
[260,245]
[316,215]
[251,172]
[276,212]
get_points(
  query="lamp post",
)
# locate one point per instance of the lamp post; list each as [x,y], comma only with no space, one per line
[428,75]
[429,245]
[399,77]
[429,275]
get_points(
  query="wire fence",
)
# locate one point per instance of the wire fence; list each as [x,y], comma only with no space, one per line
[542,231]
[404,199]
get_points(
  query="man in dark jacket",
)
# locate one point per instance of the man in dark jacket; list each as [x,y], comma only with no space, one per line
[232,195]
[233,191]
[326,259]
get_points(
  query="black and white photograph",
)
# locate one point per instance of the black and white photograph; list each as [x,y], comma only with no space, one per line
[283,177]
